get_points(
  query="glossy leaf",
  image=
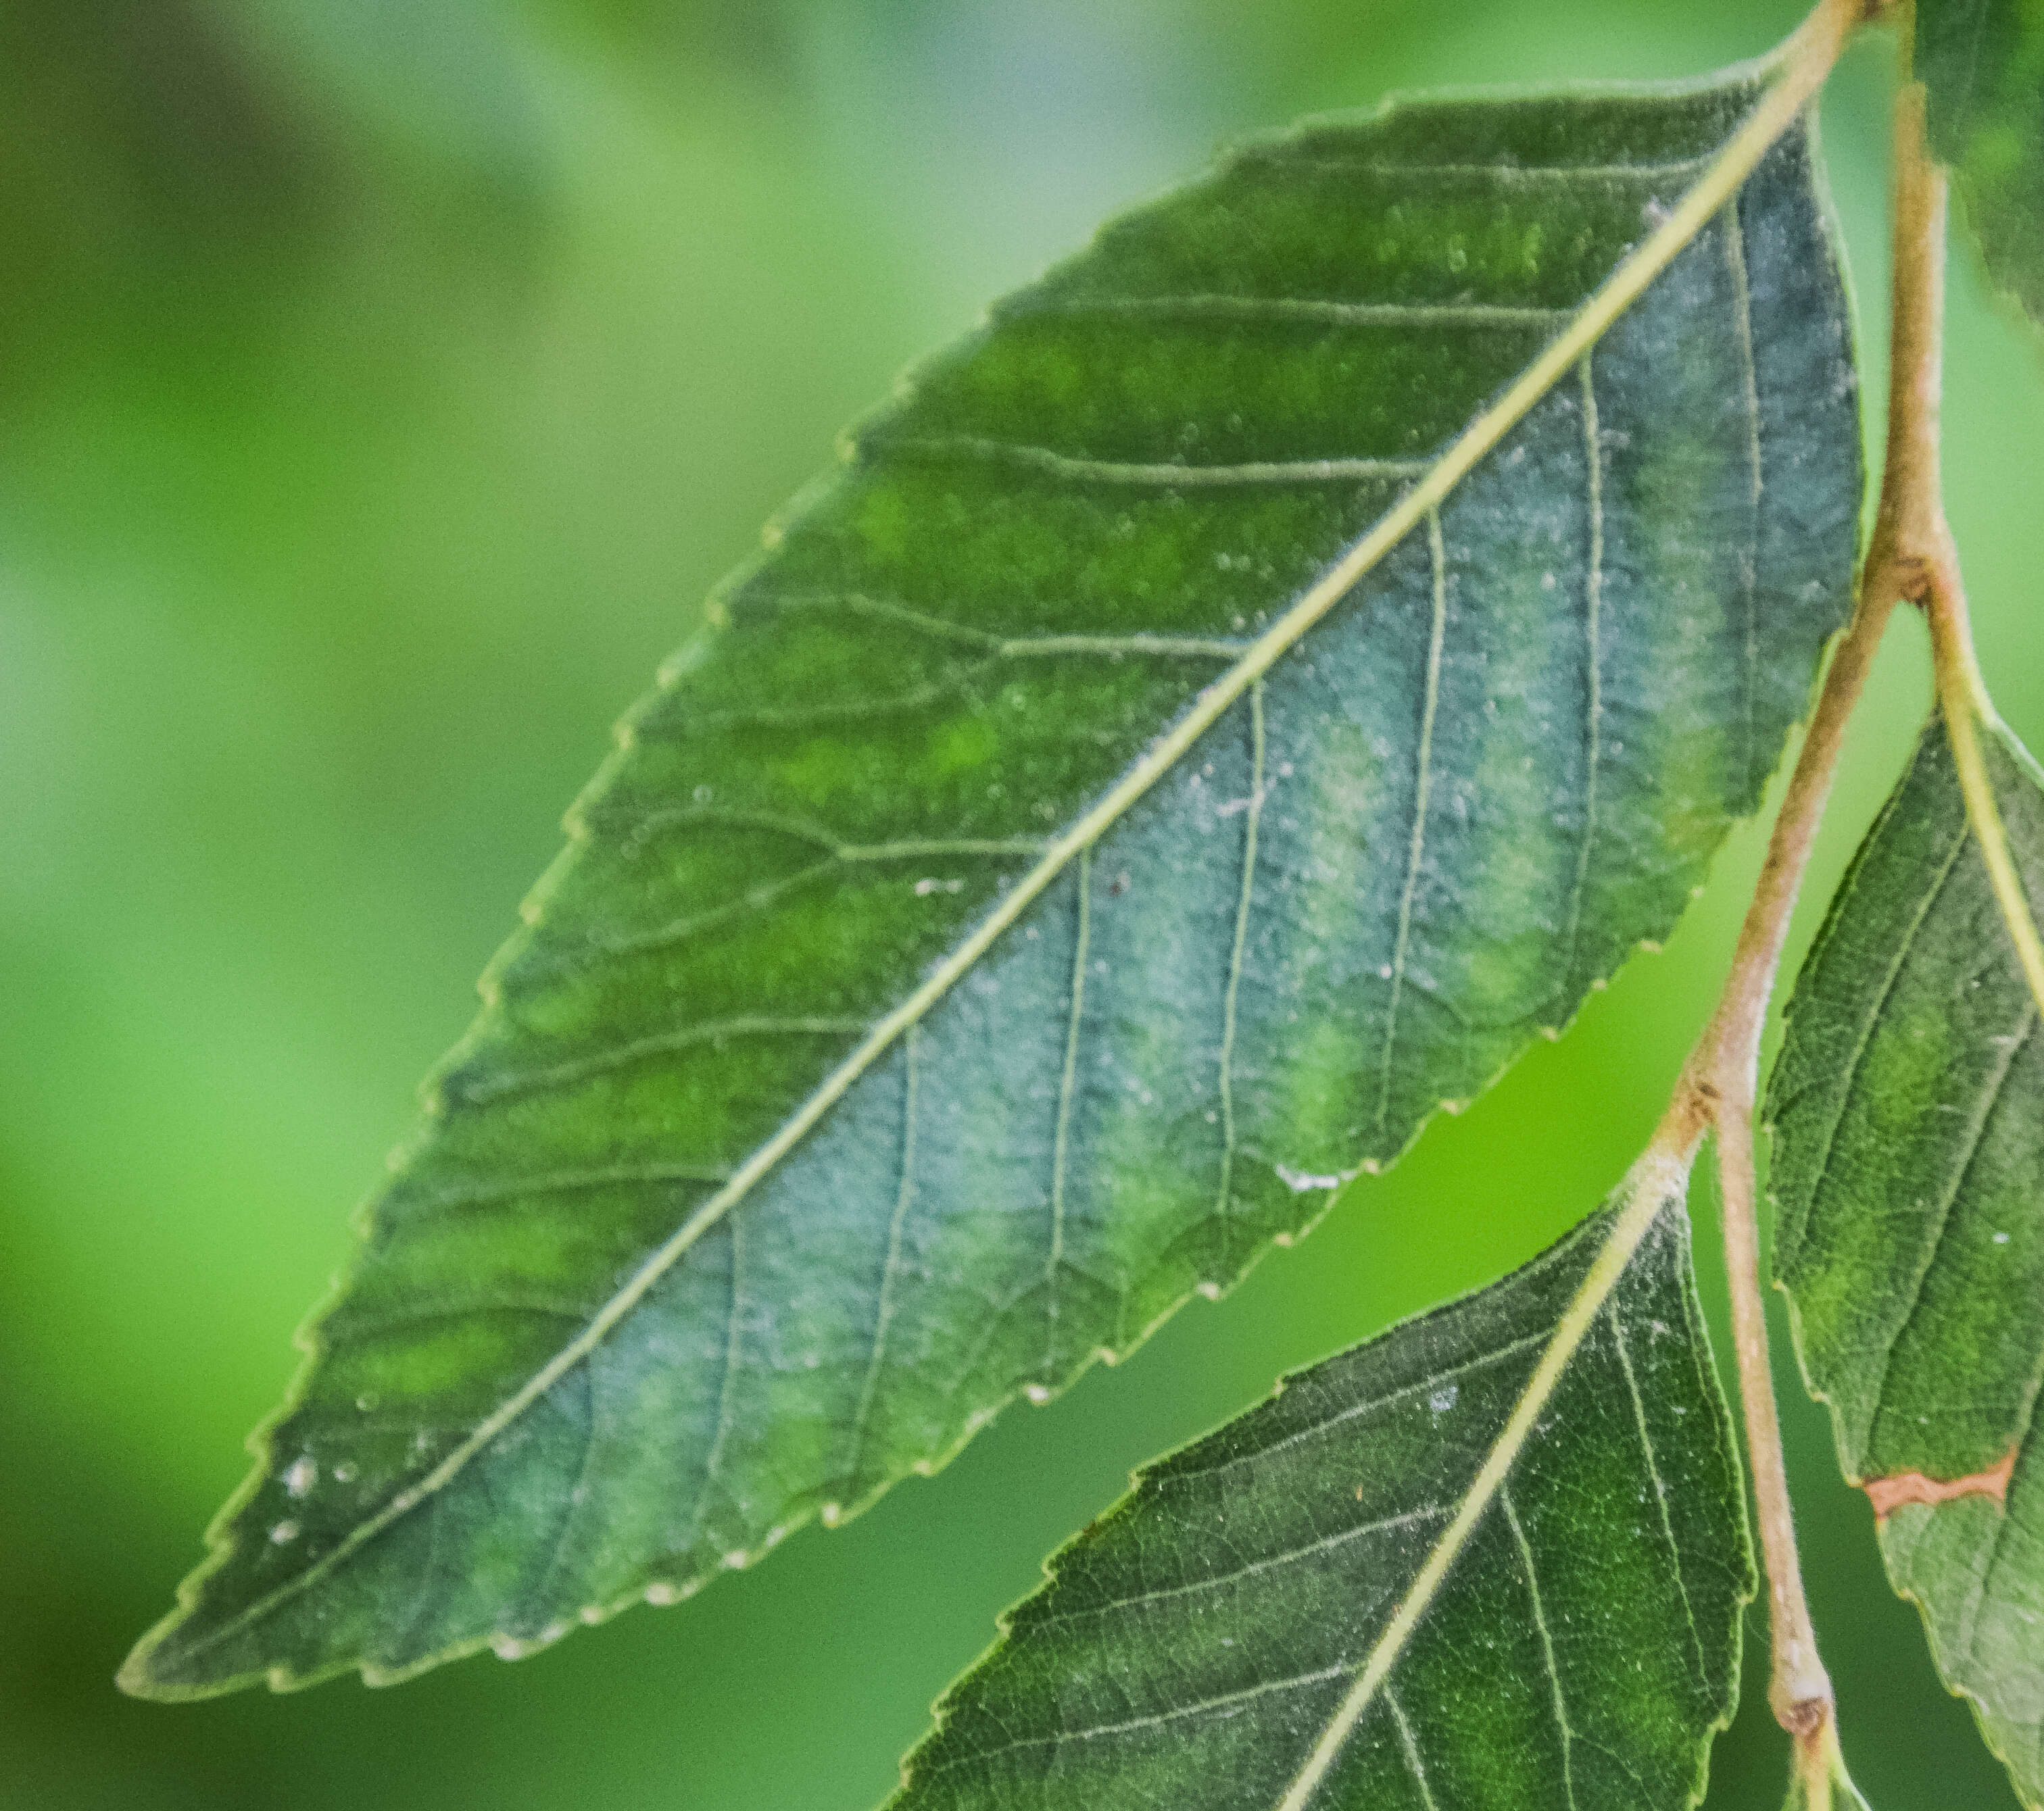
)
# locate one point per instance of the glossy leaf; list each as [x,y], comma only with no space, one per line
[1262,1621]
[1982,62]
[1125,801]
[1908,1105]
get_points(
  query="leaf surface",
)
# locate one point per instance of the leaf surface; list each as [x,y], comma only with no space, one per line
[1223,711]
[1908,1105]
[1982,62]
[1263,1621]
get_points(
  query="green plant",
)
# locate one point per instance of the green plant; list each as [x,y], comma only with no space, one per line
[1225,710]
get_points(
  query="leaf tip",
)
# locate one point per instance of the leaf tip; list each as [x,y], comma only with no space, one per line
[134,1679]
[154,1672]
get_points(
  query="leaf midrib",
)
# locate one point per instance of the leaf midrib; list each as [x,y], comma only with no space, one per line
[1795,78]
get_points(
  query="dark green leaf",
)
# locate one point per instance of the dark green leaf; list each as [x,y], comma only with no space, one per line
[1257,1623]
[1120,805]
[1983,63]
[1908,1105]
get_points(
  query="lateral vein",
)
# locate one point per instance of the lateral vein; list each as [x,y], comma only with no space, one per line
[1659,1489]
[1422,782]
[1592,663]
[1330,311]
[1250,821]
[1410,1743]
[1427,1512]
[1061,1140]
[884,1308]
[1735,239]
[1167,474]
[1568,1733]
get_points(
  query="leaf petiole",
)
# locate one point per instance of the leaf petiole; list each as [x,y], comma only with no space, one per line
[1963,697]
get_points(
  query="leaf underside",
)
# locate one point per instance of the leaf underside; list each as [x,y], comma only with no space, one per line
[1909,1106]
[1192,1645]
[587,1353]
[1982,62]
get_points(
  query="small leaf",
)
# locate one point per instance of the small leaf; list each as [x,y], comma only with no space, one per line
[1982,62]
[1173,758]
[1495,1556]
[1908,1105]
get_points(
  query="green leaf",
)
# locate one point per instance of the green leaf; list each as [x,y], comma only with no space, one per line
[1982,62]
[1223,711]
[1495,1556]
[1908,1105]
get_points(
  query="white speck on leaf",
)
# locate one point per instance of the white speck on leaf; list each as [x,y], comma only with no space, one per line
[1299,1180]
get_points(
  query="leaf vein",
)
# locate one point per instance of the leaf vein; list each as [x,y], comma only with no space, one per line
[734,1354]
[1067,1089]
[1093,1733]
[1222,1204]
[1253,1568]
[1547,1643]
[1422,777]
[1330,311]
[1660,1491]
[1509,173]
[1735,239]
[1078,468]
[1593,667]
[1355,1411]
[884,1309]
[1409,1743]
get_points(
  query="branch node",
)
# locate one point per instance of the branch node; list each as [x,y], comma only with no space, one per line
[1806,1718]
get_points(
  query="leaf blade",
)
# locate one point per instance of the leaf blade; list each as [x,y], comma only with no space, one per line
[1291,1611]
[1908,1104]
[743,865]
[1982,62]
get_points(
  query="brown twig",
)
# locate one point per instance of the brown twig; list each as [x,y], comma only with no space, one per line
[1909,556]
[1717,1090]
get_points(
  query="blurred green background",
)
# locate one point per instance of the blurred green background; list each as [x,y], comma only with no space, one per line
[382,385]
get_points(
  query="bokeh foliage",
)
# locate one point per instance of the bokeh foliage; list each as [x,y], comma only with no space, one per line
[385,386]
